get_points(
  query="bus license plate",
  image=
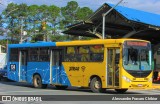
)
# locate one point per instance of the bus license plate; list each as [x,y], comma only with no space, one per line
[139,85]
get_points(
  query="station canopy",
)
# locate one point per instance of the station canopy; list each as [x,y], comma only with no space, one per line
[121,22]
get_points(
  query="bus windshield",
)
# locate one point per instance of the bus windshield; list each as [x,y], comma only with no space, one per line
[137,57]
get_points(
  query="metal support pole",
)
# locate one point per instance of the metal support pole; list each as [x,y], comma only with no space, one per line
[103,29]
[104,15]
[21,30]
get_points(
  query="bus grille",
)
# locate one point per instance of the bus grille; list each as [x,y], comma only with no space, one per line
[139,74]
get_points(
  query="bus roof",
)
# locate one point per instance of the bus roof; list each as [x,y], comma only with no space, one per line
[69,43]
[94,41]
[31,45]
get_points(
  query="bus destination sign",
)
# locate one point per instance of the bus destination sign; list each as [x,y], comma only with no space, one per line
[131,43]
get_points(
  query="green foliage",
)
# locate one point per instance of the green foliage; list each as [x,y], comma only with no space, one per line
[1,21]
[3,42]
[58,38]
[31,19]
[37,37]
[83,13]
[33,10]
[72,13]
[22,10]
[69,12]
[1,24]
[9,8]
[54,12]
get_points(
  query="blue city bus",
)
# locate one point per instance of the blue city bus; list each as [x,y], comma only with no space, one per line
[33,59]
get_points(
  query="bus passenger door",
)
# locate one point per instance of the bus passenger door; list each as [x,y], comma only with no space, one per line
[56,66]
[112,67]
[23,65]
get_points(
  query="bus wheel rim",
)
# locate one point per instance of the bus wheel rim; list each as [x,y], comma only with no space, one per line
[38,81]
[96,85]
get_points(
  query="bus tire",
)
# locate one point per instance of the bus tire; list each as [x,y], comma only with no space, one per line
[96,85]
[121,90]
[61,87]
[37,82]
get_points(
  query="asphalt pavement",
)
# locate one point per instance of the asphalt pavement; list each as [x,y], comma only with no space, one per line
[69,95]
[19,88]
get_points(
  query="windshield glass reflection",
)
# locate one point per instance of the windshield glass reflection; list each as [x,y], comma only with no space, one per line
[136,58]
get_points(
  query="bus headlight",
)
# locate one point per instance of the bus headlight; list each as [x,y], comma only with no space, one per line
[150,80]
[125,78]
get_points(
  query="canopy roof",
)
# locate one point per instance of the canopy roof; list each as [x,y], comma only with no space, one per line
[138,15]
[120,22]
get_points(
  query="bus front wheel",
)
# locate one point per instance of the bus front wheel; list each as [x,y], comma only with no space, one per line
[37,82]
[96,85]
[121,90]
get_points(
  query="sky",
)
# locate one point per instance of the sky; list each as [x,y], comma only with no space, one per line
[152,6]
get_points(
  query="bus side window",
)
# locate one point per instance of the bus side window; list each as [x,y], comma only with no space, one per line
[117,56]
[84,52]
[70,54]
[14,55]
[44,54]
[96,53]
[33,54]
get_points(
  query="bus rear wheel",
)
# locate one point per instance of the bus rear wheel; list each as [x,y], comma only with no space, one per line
[37,82]
[121,90]
[96,85]
[61,87]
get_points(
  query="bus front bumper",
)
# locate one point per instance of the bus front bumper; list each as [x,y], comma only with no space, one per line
[137,85]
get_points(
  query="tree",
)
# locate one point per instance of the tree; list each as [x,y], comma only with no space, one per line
[1,21]
[54,14]
[11,21]
[49,17]
[1,24]
[69,12]
[23,8]
[33,19]
[41,21]
[83,13]
[72,13]
[55,38]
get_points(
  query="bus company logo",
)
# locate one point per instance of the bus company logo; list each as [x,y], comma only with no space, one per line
[83,68]
[72,68]
[6,98]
